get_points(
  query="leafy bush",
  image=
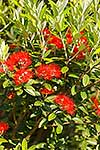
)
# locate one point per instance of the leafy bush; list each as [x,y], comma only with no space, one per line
[50,75]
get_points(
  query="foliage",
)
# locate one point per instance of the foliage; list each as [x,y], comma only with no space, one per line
[50,74]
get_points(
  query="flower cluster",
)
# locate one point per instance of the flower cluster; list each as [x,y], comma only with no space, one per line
[55,41]
[23,76]
[81,53]
[46,91]
[66,103]
[48,71]
[96,105]
[3,127]
[18,62]
[52,39]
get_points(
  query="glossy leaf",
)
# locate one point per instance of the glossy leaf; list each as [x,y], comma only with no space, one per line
[85,80]
[52,116]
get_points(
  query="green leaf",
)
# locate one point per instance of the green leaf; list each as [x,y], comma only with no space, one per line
[18,147]
[92,141]
[49,99]
[84,145]
[64,69]
[97,127]
[43,11]
[2,140]
[42,122]
[73,90]
[19,92]
[32,81]
[30,90]
[24,144]
[83,95]
[47,53]
[38,103]
[85,80]
[86,133]
[83,109]
[54,8]
[38,146]
[59,128]
[3,50]
[39,8]
[97,51]
[73,76]
[62,6]
[47,86]
[33,147]
[52,116]
[78,120]
[6,83]
[1,147]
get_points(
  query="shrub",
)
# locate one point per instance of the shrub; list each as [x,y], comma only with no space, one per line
[50,75]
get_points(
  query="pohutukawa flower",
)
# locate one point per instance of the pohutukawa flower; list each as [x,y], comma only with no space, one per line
[3,127]
[46,32]
[55,41]
[46,91]
[22,76]
[95,102]
[69,37]
[81,55]
[18,60]
[10,95]
[96,105]
[48,71]
[98,111]
[66,103]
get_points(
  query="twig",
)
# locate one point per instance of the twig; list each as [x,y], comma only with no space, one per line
[33,129]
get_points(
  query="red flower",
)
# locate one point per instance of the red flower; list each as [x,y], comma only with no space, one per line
[82,53]
[22,76]
[69,37]
[48,71]
[46,33]
[95,101]
[46,91]
[83,40]
[3,127]
[98,111]
[11,95]
[55,41]
[82,32]
[18,59]
[66,103]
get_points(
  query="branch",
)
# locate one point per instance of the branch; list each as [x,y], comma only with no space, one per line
[33,129]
